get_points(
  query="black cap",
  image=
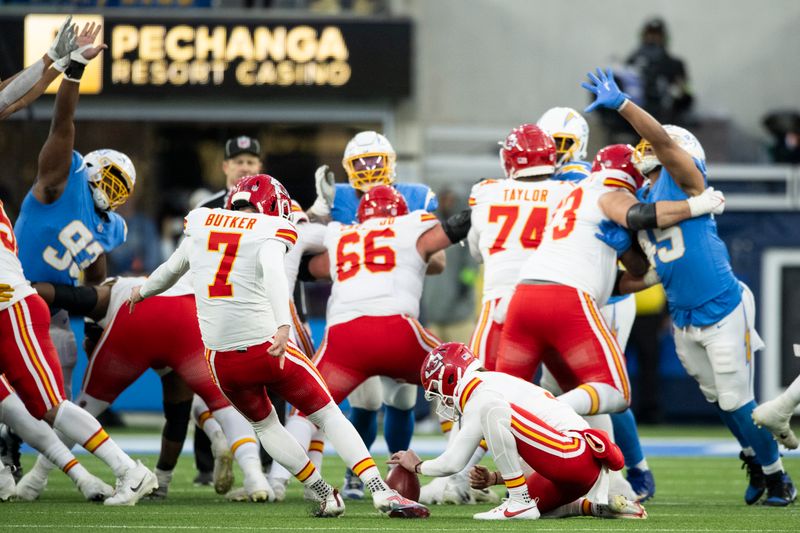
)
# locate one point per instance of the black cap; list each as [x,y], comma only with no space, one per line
[242,145]
[655,25]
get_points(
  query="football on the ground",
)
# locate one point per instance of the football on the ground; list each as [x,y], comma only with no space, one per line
[404,482]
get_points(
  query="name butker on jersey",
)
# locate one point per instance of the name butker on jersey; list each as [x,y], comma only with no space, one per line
[376,268]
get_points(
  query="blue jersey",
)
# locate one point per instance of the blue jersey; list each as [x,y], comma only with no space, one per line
[58,240]
[573,171]
[692,261]
[345,204]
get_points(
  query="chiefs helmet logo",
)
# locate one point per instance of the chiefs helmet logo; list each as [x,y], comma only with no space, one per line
[511,141]
[435,363]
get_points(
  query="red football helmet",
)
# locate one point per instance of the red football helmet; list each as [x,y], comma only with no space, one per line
[441,373]
[381,201]
[528,151]
[618,157]
[263,192]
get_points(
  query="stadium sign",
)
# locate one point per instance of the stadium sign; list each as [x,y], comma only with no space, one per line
[221,56]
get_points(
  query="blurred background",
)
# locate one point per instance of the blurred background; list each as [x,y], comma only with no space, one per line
[444,80]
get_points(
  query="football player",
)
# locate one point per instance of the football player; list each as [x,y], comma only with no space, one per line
[575,274]
[162,335]
[30,364]
[521,423]
[570,132]
[776,414]
[702,291]
[21,89]
[369,160]
[377,268]
[66,223]
[236,257]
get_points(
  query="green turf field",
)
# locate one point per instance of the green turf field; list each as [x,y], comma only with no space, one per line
[697,494]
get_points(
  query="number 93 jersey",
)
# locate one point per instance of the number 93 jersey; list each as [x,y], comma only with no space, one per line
[691,260]
[233,306]
[508,220]
[570,254]
[59,240]
[375,267]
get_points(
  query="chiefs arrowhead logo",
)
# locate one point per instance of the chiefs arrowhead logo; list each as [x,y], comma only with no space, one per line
[435,363]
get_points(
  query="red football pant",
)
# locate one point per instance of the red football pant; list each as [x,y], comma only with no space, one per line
[562,327]
[244,377]
[392,346]
[28,357]
[161,332]
[485,340]
[565,466]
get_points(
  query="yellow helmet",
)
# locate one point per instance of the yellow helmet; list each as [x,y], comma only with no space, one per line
[111,176]
[369,161]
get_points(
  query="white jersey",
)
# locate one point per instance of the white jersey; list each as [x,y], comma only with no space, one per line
[121,293]
[376,268]
[570,254]
[223,252]
[10,267]
[508,219]
[310,240]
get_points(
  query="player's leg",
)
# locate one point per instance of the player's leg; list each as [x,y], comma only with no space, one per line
[42,438]
[365,402]
[485,338]
[620,316]
[776,414]
[242,377]
[222,473]
[25,344]
[521,345]
[67,348]
[590,351]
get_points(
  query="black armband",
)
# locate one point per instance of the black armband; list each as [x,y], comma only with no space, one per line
[76,300]
[457,226]
[616,290]
[74,71]
[642,216]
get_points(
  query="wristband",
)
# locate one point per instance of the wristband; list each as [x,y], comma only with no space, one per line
[651,278]
[417,467]
[74,71]
[623,104]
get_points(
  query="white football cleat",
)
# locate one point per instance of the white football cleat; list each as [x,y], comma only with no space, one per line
[134,485]
[258,489]
[775,417]
[331,507]
[94,489]
[510,510]
[7,485]
[457,490]
[619,486]
[32,484]
[432,493]
[620,507]
[223,463]
[309,495]
[278,488]
[396,506]
[486,495]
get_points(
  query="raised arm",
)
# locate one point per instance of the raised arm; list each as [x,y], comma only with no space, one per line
[55,158]
[677,161]
[624,209]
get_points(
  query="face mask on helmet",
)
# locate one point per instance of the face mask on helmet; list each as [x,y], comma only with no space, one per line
[645,158]
[369,160]
[569,130]
[112,177]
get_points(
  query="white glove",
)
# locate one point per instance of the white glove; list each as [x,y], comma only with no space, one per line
[709,201]
[64,43]
[651,278]
[325,183]
[500,312]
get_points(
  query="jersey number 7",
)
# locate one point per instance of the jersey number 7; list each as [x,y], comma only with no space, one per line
[230,241]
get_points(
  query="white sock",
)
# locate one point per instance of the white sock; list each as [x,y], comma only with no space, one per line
[773,468]
[348,444]
[164,477]
[91,405]
[82,427]
[593,398]
[791,396]
[496,425]
[642,465]
[316,448]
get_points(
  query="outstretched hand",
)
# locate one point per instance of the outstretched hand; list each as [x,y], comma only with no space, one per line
[607,92]
[408,459]
[84,40]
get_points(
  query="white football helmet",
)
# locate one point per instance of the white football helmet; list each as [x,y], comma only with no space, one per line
[369,161]
[645,158]
[111,176]
[569,130]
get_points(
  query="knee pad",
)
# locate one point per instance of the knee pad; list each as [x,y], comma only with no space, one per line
[177,417]
[368,395]
[402,396]
[731,376]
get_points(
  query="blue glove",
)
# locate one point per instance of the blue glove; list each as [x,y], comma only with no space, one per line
[606,91]
[614,236]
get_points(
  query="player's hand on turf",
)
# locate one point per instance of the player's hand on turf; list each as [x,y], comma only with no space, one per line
[606,91]
[407,459]
[6,292]
[480,477]
[279,343]
[135,298]
[709,201]
[64,42]
[85,51]
[325,183]
[615,236]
